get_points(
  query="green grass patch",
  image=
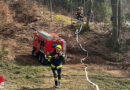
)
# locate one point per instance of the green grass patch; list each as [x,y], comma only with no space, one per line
[109,82]
[84,30]
[40,78]
[65,19]
[3,52]
[22,76]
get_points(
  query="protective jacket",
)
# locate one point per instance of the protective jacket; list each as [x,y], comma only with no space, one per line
[58,61]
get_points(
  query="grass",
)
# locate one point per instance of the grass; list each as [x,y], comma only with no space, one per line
[3,52]
[110,82]
[21,77]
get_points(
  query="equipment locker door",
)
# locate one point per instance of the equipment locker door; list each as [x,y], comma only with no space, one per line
[38,45]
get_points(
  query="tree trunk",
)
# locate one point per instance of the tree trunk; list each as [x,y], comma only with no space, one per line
[116,21]
[51,10]
[89,13]
[119,19]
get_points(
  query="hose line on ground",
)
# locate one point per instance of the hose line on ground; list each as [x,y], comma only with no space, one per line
[83,59]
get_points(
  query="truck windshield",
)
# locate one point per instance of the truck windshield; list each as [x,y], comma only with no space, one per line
[55,44]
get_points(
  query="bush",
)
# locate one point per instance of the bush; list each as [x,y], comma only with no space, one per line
[25,11]
[3,53]
[5,14]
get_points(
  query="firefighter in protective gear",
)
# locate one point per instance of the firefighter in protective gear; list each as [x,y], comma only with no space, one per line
[56,59]
[79,13]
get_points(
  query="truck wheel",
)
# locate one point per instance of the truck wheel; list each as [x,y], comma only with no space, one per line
[34,53]
[39,57]
[43,59]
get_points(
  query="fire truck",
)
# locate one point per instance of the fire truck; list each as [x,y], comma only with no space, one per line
[45,43]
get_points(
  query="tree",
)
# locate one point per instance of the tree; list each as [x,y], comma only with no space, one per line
[89,12]
[116,21]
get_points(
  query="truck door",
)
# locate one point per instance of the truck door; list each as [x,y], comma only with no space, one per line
[54,44]
[38,45]
[42,46]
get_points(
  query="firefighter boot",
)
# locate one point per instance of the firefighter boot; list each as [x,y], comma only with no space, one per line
[57,84]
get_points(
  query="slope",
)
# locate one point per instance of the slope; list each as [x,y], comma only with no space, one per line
[23,72]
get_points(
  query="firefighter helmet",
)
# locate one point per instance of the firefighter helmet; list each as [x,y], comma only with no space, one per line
[58,47]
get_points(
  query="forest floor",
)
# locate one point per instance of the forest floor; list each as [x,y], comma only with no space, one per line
[21,71]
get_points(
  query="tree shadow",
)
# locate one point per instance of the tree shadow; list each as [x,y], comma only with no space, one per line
[27,60]
[27,88]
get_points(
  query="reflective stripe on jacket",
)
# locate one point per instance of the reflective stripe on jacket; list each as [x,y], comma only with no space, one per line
[57,67]
[58,60]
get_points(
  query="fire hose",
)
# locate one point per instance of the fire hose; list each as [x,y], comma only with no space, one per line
[83,59]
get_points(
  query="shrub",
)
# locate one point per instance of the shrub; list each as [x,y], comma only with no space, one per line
[3,52]
[5,14]
[25,11]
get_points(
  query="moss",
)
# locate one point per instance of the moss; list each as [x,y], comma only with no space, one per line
[63,18]
[85,29]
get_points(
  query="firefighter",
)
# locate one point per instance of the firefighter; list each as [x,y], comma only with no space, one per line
[56,60]
[80,13]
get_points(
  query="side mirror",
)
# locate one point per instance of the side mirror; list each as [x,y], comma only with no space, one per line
[36,35]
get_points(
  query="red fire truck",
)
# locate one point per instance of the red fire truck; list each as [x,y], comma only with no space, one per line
[44,43]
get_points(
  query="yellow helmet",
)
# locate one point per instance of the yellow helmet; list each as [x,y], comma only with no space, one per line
[58,47]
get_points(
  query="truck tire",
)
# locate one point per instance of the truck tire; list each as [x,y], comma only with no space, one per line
[39,57]
[42,59]
[34,52]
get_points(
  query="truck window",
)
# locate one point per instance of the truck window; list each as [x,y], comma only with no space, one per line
[42,45]
[55,44]
[39,40]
